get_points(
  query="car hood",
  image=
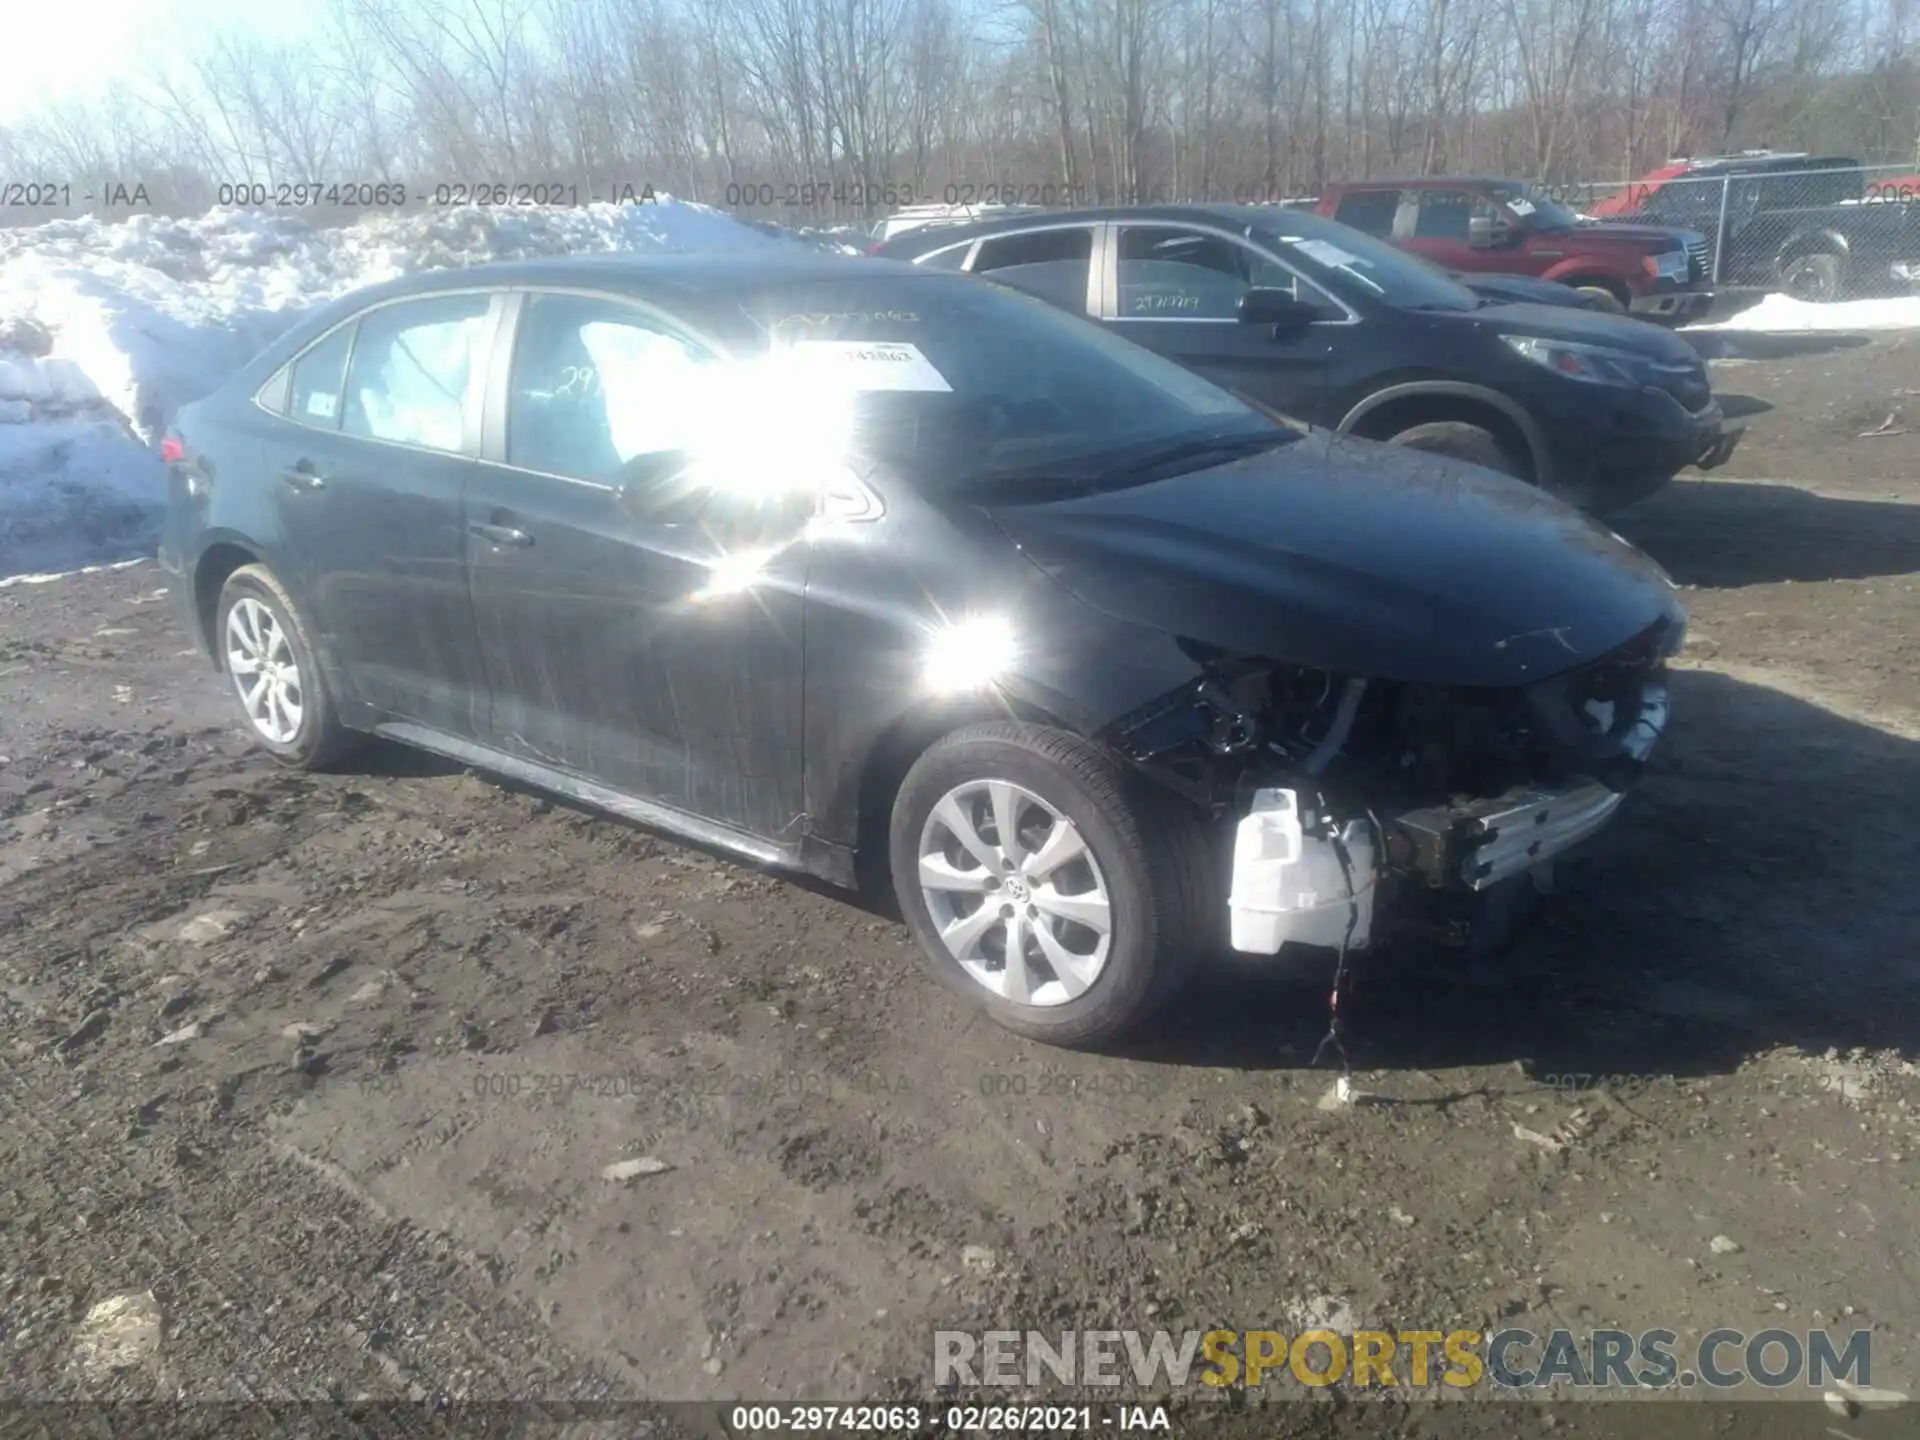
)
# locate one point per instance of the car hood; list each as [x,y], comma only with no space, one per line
[1585,327]
[1360,558]
[1644,237]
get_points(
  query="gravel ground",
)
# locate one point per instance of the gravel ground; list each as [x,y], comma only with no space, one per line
[326,1071]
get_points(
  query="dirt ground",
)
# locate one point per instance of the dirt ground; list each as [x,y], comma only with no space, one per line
[333,1065]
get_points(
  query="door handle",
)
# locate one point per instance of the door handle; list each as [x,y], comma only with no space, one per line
[501,535]
[302,476]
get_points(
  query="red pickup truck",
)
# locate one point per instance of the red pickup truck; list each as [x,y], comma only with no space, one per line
[1505,227]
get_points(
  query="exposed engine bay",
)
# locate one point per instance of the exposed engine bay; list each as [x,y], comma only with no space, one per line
[1335,784]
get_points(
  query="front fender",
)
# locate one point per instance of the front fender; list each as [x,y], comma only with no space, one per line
[1079,669]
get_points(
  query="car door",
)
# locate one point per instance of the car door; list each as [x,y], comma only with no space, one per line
[382,422]
[634,632]
[1176,291]
[1054,262]
[1437,225]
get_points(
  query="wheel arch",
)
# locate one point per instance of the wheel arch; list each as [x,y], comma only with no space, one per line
[1816,241]
[211,571]
[1580,277]
[1387,412]
[893,753]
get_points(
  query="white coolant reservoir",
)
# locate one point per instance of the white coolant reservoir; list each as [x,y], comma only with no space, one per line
[1288,884]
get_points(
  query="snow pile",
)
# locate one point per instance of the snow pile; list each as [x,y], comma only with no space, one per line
[1782,314]
[107,328]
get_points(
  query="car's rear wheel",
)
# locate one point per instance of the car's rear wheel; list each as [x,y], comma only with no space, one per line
[1458,440]
[1045,884]
[1814,277]
[270,662]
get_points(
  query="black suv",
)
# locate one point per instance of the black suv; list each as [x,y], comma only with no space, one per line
[1323,324]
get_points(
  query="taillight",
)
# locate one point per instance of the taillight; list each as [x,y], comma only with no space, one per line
[172,450]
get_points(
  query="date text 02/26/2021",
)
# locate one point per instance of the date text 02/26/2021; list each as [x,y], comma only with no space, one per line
[945,1419]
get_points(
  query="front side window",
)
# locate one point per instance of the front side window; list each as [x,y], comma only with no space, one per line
[320,381]
[411,363]
[1444,215]
[1175,274]
[1534,208]
[1053,264]
[596,385]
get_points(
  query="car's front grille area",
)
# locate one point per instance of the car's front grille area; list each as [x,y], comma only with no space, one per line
[1699,258]
[1687,384]
[1436,743]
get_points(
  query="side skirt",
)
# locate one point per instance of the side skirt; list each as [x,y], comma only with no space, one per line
[601,797]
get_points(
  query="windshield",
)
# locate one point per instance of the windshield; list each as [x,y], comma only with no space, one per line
[963,387]
[1360,267]
[1536,209]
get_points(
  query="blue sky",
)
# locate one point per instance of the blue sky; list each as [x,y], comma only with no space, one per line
[76,49]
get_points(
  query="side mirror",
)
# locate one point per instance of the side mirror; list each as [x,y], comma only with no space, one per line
[1277,308]
[1485,232]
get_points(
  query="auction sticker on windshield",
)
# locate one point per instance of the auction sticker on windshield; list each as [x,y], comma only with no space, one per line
[876,364]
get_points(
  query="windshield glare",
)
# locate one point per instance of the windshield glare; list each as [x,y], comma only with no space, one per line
[1535,207]
[961,386]
[1358,266]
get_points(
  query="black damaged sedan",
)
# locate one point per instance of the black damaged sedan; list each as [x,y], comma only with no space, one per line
[898,578]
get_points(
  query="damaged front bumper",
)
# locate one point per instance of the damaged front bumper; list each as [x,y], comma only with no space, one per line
[1307,878]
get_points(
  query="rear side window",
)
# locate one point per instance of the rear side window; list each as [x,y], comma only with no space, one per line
[949,259]
[411,364]
[596,386]
[1053,264]
[1368,210]
[319,381]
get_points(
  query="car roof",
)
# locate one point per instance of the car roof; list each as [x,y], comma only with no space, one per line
[689,272]
[1241,217]
[1425,182]
[643,273]
[1736,164]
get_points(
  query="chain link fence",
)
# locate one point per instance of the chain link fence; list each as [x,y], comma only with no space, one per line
[1817,229]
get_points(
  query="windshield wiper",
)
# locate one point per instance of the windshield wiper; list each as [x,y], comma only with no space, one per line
[1206,447]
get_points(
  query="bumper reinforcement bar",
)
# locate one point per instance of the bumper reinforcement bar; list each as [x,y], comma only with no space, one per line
[1483,843]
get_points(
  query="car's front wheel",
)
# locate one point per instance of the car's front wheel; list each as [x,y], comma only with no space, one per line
[268,658]
[1458,440]
[1045,883]
[1603,297]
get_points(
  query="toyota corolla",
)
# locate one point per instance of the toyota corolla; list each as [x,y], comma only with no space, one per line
[901,579]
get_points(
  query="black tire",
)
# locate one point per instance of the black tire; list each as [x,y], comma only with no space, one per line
[320,740]
[1151,852]
[1458,440]
[1814,277]
[1604,298]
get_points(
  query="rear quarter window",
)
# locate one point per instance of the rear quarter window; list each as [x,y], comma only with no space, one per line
[319,381]
[1368,210]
